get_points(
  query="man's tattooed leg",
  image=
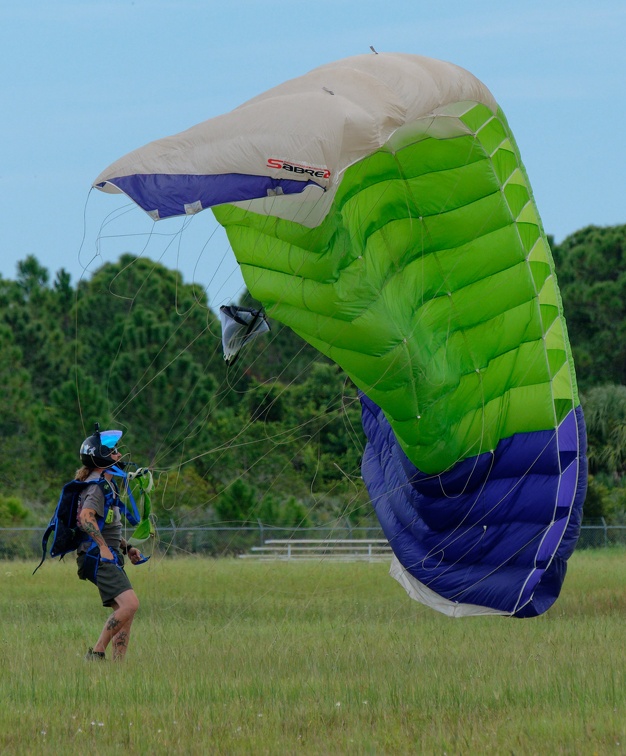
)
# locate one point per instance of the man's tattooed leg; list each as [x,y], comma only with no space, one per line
[113,623]
[120,644]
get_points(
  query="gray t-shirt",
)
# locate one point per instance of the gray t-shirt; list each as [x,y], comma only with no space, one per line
[92,497]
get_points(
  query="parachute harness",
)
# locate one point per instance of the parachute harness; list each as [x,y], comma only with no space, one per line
[137,486]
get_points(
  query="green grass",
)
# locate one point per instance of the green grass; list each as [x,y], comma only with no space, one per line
[231,657]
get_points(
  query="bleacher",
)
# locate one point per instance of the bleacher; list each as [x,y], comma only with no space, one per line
[335,549]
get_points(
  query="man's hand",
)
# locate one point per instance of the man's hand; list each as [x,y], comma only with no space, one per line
[134,554]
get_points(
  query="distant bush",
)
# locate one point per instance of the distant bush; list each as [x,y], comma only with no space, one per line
[13,513]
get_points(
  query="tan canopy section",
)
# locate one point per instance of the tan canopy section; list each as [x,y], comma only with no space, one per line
[301,134]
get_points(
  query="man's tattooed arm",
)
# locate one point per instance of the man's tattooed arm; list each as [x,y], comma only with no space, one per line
[89,525]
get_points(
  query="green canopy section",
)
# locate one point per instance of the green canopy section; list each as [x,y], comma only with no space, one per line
[430,282]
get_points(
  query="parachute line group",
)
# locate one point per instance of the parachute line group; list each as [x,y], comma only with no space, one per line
[166,448]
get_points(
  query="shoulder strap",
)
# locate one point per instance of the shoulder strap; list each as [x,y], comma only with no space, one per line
[130,511]
[44,546]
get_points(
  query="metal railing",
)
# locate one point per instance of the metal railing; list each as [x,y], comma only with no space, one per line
[25,543]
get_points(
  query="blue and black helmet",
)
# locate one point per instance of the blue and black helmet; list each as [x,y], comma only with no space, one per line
[96,449]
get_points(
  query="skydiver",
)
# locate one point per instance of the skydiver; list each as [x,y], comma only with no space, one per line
[100,559]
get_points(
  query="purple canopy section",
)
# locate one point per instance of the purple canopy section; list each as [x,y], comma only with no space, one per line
[494,531]
[170,195]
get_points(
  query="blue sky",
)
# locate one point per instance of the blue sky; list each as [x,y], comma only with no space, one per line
[85,81]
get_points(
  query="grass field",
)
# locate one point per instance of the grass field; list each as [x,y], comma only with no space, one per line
[236,657]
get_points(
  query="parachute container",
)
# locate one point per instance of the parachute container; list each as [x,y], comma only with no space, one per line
[380,208]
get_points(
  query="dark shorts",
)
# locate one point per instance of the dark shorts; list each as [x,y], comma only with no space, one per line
[110,578]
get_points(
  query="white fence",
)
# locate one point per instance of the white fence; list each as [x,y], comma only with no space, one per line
[366,542]
[206,540]
[335,549]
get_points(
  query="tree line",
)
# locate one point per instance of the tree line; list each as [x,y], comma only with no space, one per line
[277,437]
[591,269]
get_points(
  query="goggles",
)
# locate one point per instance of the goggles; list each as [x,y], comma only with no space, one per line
[110,438]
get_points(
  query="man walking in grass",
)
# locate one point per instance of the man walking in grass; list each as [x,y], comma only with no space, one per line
[101,558]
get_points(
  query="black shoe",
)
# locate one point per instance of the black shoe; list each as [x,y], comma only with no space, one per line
[92,655]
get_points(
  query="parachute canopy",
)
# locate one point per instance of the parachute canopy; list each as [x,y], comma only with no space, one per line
[379,207]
